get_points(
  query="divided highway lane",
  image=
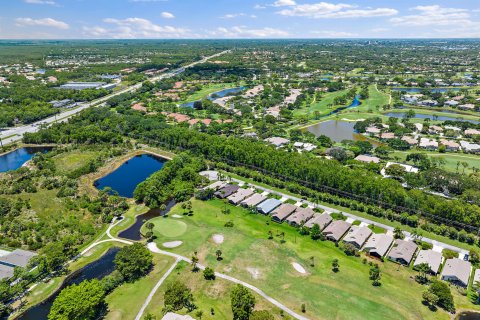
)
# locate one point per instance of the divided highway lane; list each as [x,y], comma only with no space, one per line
[12,135]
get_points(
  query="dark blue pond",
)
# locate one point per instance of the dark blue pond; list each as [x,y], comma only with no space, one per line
[216,95]
[355,103]
[15,159]
[95,270]
[425,116]
[125,179]
[417,90]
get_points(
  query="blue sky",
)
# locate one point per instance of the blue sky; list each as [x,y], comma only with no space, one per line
[105,19]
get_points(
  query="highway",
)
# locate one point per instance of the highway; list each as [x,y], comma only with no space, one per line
[11,135]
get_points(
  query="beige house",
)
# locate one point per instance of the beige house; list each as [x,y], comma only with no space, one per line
[282,212]
[402,251]
[357,236]
[299,217]
[336,230]
[321,219]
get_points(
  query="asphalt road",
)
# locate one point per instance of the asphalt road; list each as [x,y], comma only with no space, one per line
[11,135]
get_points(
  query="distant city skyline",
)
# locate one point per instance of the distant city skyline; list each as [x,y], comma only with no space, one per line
[212,19]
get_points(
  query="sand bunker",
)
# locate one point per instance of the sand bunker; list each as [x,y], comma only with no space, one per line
[254,272]
[218,238]
[177,216]
[172,244]
[299,268]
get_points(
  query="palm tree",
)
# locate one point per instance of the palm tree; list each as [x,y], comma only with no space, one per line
[194,262]
[218,253]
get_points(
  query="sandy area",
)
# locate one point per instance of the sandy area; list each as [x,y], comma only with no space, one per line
[172,244]
[299,268]
[218,238]
[254,272]
[177,216]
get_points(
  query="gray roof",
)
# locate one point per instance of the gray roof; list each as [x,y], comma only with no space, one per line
[216,185]
[6,272]
[336,229]
[457,270]
[253,200]
[476,277]
[378,244]
[240,195]
[357,235]
[283,211]
[321,219]
[300,216]
[430,257]
[403,250]
[226,191]
[17,258]
[268,205]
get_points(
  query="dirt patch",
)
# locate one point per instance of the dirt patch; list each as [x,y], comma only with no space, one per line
[172,244]
[254,272]
[218,238]
[299,268]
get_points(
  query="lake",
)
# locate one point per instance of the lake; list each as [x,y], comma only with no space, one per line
[17,158]
[338,131]
[355,103]
[417,90]
[125,179]
[95,270]
[425,116]
[468,315]
[216,95]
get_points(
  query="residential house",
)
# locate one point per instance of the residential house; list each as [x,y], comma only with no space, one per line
[357,236]
[378,245]
[254,200]
[435,130]
[428,103]
[16,258]
[470,147]
[471,132]
[367,158]
[240,195]
[432,258]
[457,271]
[428,144]
[402,251]
[227,191]
[450,145]
[6,272]
[321,219]
[283,211]
[418,126]
[336,230]
[216,185]
[268,206]
[372,130]
[468,106]
[451,103]
[410,140]
[277,141]
[300,217]
[387,135]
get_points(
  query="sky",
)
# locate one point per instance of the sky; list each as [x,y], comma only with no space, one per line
[214,19]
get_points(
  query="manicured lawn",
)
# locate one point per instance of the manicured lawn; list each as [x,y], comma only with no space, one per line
[450,159]
[376,99]
[169,228]
[125,301]
[250,256]
[207,294]
[207,90]
[69,161]
[433,112]
[322,106]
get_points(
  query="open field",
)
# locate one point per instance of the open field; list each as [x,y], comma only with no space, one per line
[207,294]
[70,161]
[451,159]
[207,90]
[125,301]
[375,100]
[250,256]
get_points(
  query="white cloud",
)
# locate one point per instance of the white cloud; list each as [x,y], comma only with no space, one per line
[434,16]
[325,10]
[40,2]
[46,22]
[244,32]
[334,34]
[259,6]
[132,28]
[236,15]
[284,3]
[167,15]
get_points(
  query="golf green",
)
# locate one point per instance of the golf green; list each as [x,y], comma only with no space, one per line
[169,228]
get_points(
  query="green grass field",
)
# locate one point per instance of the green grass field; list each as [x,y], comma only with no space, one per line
[322,106]
[207,90]
[375,101]
[125,301]
[69,161]
[250,256]
[207,294]
[450,159]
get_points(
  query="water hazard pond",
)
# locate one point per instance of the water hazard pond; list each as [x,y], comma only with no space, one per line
[125,179]
[17,158]
[337,131]
[95,270]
